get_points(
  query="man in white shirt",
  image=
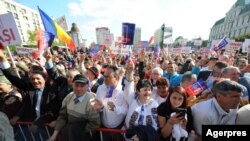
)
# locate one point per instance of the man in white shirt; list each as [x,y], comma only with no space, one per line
[220,110]
[110,100]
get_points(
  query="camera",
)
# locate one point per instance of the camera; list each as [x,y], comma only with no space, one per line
[181,112]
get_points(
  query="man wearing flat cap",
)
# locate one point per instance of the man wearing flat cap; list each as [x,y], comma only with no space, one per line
[77,118]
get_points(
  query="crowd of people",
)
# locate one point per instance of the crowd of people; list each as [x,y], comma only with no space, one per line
[145,94]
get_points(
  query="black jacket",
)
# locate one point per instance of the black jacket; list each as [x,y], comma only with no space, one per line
[49,101]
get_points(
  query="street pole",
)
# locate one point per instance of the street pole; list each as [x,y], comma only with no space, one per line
[162,35]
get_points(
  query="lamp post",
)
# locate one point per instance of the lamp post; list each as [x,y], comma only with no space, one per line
[162,35]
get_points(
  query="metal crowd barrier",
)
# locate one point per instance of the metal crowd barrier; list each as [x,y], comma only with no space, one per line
[20,124]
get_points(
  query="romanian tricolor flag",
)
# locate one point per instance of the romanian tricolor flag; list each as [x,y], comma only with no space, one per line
[52,27]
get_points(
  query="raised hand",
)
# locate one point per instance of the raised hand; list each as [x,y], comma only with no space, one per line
[142,55]
[47,55]
[96,104]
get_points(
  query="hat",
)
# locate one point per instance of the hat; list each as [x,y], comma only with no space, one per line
[213,58]
[3,79]
[80,79]
[94,70]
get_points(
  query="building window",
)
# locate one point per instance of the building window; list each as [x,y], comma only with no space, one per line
[7,5]
[18,24]
[25,18]
[27,25]
[13,7]
[23,11]
[15,16]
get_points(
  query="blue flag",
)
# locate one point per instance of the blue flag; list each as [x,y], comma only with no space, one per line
[157,50]
[222,44]
[128,30]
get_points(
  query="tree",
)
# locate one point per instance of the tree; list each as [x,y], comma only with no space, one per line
[204,43]
[32,37]
[56,42]
[176,41]
[241,38]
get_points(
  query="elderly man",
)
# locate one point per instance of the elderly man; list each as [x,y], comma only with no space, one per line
[233,73]
[211,76]
[110,100]
[77,118]
[220,110]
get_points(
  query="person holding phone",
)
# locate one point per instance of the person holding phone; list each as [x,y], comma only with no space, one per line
[173,114]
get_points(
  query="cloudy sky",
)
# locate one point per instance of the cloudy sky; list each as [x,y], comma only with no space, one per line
[189,18]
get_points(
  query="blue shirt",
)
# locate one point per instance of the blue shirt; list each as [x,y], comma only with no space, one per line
[174,79]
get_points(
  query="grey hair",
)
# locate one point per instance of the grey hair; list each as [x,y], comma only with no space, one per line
[188,77]
[159,70]
[227,85]
[114,69]
[229,68]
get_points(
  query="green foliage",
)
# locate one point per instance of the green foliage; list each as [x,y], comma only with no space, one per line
[12,48]
[204,43]
[242,38]
[57,43]
[32,37]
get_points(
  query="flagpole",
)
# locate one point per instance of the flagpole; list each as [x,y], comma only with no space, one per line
[12,61]
[11,58]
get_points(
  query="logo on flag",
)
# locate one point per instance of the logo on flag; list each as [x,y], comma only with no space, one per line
[128,30]
[157,50]
[198,87]
[221,44]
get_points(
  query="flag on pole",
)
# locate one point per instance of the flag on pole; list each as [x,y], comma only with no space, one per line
[44,39]
[53,28]
[157,50]
[198,87]
[222,44]
[151,41]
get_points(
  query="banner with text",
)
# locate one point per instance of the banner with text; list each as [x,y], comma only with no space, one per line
[9,34]
[123,49]
[128,30]
[245,46]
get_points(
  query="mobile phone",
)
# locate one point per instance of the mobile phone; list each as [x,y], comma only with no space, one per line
[181,112]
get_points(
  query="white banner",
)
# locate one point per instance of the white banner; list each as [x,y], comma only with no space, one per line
[245,45]
[24,50]
[197,42]
[234,46]
[9,34]
[176,51]
[186,50]
[123,49]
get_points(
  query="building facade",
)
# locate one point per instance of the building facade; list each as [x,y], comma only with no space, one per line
[76,36]
[235,23]
[26,18]
[158,36]
[104,37]
[137,37]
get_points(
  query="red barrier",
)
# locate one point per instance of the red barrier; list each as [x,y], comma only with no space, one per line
[98,129]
